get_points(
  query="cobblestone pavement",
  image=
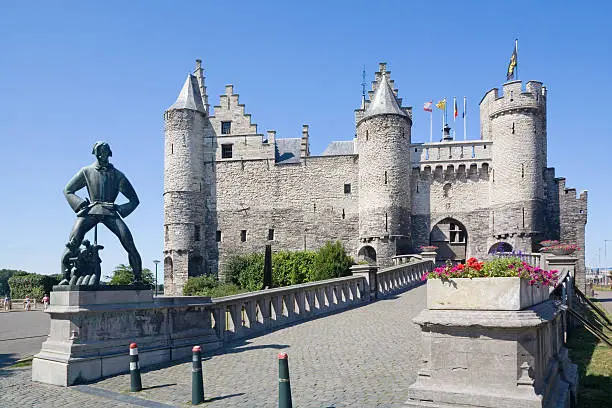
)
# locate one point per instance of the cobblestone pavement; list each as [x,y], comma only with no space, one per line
[364,357]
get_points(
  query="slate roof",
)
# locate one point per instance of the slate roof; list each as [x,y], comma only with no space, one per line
[384,101]
[287,151]
[340,148]
[190,97]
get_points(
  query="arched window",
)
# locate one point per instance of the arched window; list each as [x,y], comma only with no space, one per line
[500,247]
[368,254]
[450,236]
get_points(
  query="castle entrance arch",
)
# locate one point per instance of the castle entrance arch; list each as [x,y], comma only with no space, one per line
[450,236]
[500,247]
[367,253]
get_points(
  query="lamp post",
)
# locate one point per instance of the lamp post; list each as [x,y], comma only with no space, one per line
[606,252]
[156,262]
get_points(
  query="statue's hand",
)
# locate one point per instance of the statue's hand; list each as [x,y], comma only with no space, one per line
[84,204]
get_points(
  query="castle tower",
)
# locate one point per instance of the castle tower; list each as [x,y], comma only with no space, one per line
[383,135]
[184,187]
[516,123]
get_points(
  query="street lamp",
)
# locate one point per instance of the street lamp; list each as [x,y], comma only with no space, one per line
[606,251]
[156,262]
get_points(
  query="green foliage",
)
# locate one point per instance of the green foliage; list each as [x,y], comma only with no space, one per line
[246,271]
[123,275]
[289,268]
[500,267]
[330,262]
[208,285]
[33,285]
[5,275]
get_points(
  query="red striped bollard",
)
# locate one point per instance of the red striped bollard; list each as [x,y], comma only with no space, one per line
[135,382]
[284,387]
[197,380]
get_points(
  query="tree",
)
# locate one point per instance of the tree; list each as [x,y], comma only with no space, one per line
[5,275]
[330,262]
[123,275]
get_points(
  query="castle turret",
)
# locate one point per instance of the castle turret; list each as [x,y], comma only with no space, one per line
[184,187]
[383,134]
[516,123]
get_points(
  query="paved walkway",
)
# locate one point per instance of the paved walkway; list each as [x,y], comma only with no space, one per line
[364,357]
[21,334]
[603,299]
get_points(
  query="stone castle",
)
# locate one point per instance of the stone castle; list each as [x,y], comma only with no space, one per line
[229,189]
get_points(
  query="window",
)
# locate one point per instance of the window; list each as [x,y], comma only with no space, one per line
[196,233]
[344,215]
[226,151]
[166,235]
[347,189]
[218,237]
[385,177]
[226,128]
[243,236]
[386,222]
[271,234]
[456,234]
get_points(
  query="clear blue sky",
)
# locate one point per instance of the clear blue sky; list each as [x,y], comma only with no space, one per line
[72,73]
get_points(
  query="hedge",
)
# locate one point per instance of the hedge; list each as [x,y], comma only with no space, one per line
[33,285]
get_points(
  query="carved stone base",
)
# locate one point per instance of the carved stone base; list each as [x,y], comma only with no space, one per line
[496,359]
[91,331]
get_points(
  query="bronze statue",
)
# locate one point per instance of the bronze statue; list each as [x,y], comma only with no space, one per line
[104,183]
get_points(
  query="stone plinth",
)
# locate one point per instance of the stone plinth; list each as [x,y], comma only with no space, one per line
[497,359]
[370,274]
[91,331]
[511,293]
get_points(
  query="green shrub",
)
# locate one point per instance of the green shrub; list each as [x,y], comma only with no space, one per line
[291,268]
[123,275]
[330,262]
[246,271]
[199,284]
[224,289]
[33,285]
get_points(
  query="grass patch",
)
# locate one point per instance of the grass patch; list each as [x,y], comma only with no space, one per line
[602,288]
[26,362]
[594,360]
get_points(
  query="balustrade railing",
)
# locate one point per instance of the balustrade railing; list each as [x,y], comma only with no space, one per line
[239,316]
[401,276]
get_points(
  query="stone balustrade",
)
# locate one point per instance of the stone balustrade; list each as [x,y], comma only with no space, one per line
[395,278]
[245,315]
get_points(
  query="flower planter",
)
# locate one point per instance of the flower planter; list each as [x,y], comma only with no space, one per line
[561,251]
[484,294]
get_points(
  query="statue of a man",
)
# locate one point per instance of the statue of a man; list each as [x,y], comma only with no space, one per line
[104,183]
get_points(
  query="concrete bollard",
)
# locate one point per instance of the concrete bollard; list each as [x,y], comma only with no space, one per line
[135,382]
[197,380]
[284,387]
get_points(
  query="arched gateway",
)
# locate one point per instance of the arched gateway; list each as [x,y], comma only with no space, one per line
[450,236]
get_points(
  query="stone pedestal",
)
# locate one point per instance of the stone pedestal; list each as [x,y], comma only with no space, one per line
[91,331]
[496,359]
[370,273]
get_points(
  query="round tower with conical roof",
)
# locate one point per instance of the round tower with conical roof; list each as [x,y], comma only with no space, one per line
[516,123]
[184,187]
[383,136]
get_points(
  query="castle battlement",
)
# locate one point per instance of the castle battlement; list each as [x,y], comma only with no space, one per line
[455,151]
[514,98]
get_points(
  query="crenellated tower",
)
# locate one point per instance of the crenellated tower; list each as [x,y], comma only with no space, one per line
[383,136]
[516,123]
[185,185]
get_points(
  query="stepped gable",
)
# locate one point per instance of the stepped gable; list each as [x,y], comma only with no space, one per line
[385,101]
[189,97]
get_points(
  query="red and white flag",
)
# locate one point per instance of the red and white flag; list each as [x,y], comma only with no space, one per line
[428,106]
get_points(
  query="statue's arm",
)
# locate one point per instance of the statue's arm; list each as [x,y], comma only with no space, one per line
[74,185]
[128,191]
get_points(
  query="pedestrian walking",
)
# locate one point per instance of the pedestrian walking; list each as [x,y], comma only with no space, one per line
[45,301]
[27,303]
[6,303]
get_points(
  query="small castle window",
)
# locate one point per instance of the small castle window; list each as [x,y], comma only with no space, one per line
[347,189]
[166,234]
[171,148]
[226,151]
[512,127]
[386,222]
[196,233]
[367,134]
[415,150]
[485,147]
[344,215]
[218,236]
[226,128]
[243,236]
[385,177]
[271,234]
[446,189]
[522,170]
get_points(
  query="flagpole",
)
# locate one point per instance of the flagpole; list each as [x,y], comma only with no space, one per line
[454,118]
[516,49]
[431,125]
[464,114]
[443,119]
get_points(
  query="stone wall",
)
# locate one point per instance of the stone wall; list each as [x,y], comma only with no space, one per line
[572,220]
[304,203]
